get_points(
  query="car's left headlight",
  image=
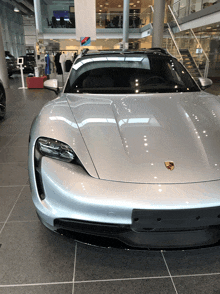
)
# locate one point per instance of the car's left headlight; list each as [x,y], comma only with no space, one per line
[55,149]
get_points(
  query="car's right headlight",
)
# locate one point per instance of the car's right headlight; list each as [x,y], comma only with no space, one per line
[55,149]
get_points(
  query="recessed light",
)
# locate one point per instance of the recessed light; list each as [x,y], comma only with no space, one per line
[138,1]
[101,5]
[16,9]
[119,5]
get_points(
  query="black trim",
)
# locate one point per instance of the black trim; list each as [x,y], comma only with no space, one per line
[174,219]
[173,232]
[102,229]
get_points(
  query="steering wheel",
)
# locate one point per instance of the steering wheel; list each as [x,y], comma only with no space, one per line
[156,77]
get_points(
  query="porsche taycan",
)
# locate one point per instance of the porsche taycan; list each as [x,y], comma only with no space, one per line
[129,150]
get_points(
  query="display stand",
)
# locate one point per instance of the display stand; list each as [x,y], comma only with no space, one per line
[20,61]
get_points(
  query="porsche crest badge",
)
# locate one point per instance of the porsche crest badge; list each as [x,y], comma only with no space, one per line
[169,165]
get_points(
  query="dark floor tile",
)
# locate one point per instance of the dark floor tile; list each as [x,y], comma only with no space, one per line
[24,130]
[13,174]
[20,140]
[214,89]
[32,254]
[197,261]
[4,140]
[13,119]
[8,197]
[149,286]
[24,209]
[8,130]
[94,263]
[13,154]
[41,289]
[198,285]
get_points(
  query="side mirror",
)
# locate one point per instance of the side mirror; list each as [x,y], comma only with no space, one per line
[52,85]
[204,83]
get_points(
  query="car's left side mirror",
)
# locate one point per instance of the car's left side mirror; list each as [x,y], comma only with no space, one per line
[52,85]
[204,83]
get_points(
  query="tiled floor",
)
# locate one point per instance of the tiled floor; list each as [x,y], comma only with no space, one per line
[34,261]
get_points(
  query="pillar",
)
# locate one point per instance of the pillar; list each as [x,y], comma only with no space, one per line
[3,65]
[125,22]
[38,16]
[158,23]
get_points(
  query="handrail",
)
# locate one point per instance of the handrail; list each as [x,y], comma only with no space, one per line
[174,41]
[203,51]
[174,18]
[193,34]
[199,43]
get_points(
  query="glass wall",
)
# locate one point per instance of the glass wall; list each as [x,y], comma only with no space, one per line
[58,15]
[12,30]
[183,8]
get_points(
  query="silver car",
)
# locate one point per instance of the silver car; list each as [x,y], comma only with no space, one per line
[130,150]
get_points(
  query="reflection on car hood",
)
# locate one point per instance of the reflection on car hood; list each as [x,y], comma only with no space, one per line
[130,137]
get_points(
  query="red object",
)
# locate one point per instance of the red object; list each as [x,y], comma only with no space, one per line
[35,83]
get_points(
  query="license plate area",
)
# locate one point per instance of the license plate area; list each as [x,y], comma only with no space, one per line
[179,219]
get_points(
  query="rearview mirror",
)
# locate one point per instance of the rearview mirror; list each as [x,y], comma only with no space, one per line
[204,83]
[52,85]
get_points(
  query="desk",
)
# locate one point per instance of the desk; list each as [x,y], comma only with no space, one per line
[36,83]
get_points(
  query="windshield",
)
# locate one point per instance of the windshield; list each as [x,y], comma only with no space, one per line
[109,75]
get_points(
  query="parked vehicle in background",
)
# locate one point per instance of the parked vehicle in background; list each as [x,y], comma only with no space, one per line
[2,101]
[11,63]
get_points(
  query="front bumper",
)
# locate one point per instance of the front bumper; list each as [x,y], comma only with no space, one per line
[140,215]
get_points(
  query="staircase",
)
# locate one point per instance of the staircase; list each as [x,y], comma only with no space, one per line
[189,63]
[188,60]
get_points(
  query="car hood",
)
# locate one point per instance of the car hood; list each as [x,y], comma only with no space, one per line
[130,137]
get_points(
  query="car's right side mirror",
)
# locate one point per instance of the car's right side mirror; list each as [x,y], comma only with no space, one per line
[204,83]
[52,85]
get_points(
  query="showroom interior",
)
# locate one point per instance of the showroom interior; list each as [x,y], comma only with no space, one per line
[32,258]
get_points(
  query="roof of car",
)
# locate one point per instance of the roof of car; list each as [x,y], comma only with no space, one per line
[88,53]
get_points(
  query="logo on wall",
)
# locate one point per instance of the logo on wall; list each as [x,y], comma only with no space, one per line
[85,41]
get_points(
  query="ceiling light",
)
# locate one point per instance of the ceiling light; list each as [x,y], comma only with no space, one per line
[131,4]
[119,5]
[208,28]
[134,5]
[106,3]
[16,9]
[101,5]
[138,1]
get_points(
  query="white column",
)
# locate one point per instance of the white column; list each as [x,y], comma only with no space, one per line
[125,22]
[85,18]
[38,16]
[158,23]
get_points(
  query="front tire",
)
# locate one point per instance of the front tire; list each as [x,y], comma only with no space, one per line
[2,103]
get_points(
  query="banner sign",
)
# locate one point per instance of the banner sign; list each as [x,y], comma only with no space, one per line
[85,41]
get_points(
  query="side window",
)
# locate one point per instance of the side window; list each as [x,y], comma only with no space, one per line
[175,77]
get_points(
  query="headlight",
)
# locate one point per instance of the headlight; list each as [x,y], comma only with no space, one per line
[55,149]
